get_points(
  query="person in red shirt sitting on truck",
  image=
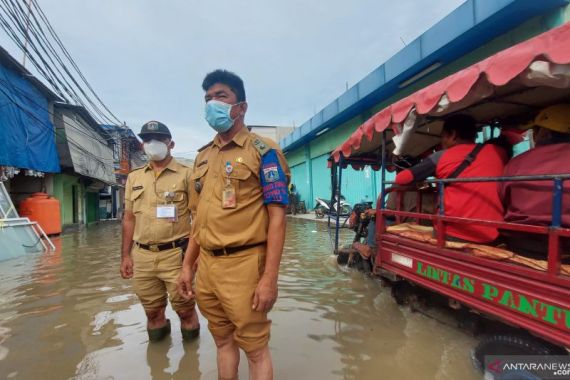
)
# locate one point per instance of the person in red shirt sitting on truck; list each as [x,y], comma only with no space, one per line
[463,158]
[530,202]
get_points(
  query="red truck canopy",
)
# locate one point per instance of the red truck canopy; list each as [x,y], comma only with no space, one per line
[507,87]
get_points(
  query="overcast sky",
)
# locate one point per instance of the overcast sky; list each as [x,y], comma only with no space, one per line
[147,58]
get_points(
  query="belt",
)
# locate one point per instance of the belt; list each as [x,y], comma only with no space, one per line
[164,246]
[231,250]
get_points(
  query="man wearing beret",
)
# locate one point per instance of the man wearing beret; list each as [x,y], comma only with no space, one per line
[156,227]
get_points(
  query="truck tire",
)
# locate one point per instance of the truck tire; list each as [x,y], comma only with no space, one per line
[401,291]
[511,344]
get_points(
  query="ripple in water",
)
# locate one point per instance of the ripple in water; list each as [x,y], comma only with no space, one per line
[72,314]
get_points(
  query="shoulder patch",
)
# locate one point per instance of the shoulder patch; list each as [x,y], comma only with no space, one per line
[205,146]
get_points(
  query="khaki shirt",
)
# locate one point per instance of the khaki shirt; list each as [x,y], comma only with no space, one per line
[144,192]
[213,226]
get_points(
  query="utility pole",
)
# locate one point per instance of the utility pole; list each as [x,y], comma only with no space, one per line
[27,34]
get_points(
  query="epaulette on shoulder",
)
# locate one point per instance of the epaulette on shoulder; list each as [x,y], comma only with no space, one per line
[139,168]
[184,165]
[260,144]
[205,146]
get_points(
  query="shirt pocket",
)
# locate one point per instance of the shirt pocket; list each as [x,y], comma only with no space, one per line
[198,178]
[240,178]
[138,199]
[180,199]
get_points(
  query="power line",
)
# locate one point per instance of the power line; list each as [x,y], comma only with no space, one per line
[20,22]
[73,63]
[98,159]
[10,32]
[16,14]
[31,100]
[41,36]
[45,46]
[48,62]
[48,70]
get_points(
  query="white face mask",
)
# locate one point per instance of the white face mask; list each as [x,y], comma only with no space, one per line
[155,150]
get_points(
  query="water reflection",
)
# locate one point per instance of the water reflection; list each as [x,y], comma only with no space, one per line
[72,315]
[164,367]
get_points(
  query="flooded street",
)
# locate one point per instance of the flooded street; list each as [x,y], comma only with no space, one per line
[70,315]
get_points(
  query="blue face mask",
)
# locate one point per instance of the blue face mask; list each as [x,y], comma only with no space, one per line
[217,114]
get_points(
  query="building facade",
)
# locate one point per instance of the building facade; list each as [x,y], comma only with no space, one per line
[272,132]
[28,154]
[88,166]
[472,32]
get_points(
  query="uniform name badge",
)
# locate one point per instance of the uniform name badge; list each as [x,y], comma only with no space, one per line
[166,212]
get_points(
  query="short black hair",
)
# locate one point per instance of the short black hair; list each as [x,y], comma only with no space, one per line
[234,82]
[463,125]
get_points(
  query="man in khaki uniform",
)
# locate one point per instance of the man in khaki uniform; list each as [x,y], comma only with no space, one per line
[238,230]
[156,227]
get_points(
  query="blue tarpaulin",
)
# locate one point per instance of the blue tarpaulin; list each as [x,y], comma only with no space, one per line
[27,138]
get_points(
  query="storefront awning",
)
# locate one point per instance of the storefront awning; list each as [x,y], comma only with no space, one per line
[86,148]
[511,84]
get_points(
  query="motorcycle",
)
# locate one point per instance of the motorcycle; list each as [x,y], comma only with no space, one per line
[295,205]
[323,207]
[360,254]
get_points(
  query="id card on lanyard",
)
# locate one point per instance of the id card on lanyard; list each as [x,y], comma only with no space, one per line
[167,211]
[229,192]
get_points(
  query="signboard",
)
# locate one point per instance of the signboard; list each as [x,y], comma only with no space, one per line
[532,307]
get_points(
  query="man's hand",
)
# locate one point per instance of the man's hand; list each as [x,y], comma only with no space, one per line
[184,284]
[128,228]
[126,267]
[265,294]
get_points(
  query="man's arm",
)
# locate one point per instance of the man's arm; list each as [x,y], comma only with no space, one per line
[266,291]
[128,227]
[184,282]
[421,171]
[275,198]
[186,277]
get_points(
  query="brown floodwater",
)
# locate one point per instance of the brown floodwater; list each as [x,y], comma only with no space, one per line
[69,315]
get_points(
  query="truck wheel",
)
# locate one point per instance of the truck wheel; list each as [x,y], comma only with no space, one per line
[342,258]
[401,292]
[355,261]
[367,266]
[511,344]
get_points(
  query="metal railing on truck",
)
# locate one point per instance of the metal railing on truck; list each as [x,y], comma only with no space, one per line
[554,231]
